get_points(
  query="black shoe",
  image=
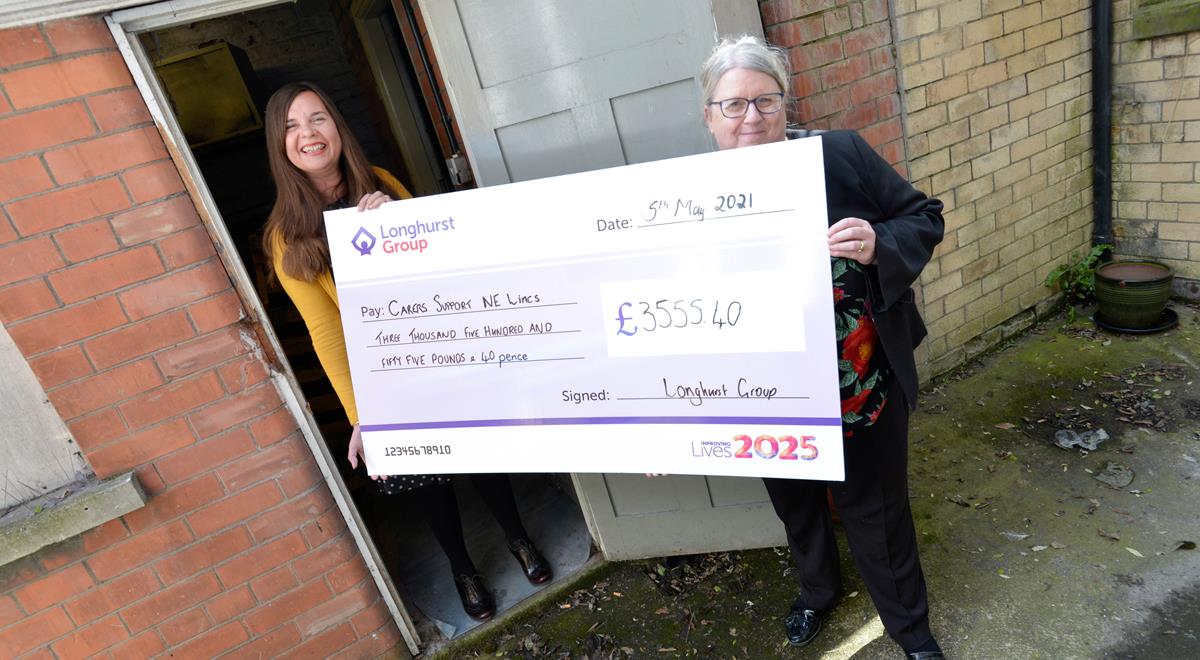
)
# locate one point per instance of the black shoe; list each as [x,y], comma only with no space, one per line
[926,655]
[476,599]
[533,564]
[802,626]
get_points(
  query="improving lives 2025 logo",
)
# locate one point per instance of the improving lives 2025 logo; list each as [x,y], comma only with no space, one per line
[764,447]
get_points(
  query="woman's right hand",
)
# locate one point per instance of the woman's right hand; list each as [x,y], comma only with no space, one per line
[356,451]
[373,200]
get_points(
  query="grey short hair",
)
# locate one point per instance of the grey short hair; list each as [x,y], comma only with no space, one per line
[744,52]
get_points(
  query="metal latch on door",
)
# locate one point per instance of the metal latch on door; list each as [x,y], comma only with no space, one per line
[459,168]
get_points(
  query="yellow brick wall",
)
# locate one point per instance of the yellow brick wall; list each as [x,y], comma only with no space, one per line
[996,104]
[1156,148]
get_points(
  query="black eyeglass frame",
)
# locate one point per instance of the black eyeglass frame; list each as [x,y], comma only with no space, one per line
[755,101]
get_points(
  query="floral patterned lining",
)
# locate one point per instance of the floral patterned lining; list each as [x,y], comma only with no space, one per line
[863,369]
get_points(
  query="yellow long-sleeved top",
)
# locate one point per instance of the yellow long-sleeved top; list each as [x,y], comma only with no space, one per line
[318,304]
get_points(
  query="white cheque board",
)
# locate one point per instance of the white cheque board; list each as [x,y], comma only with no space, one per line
[674,316]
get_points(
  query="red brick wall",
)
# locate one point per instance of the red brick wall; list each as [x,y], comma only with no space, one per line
[111,288]
[843,68]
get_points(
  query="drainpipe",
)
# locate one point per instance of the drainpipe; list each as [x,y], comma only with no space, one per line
[1102,193]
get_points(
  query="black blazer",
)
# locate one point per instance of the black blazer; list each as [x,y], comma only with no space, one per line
[908,225]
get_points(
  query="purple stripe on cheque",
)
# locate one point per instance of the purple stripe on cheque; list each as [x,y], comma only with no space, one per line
[574,421]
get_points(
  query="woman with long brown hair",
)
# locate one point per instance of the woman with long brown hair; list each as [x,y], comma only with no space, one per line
[318,165]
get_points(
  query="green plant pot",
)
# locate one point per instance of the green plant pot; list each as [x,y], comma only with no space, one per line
[1133,292]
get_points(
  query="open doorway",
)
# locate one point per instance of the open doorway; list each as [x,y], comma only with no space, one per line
[217,73]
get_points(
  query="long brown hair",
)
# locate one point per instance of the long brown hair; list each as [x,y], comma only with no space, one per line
[296,217]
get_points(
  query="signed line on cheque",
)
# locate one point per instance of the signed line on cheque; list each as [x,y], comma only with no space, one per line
[731,398]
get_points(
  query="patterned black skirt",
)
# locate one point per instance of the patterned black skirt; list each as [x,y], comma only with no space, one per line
[403,483]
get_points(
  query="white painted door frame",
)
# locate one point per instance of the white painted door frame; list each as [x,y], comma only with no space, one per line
[401,99]
[125,25]
[14,13]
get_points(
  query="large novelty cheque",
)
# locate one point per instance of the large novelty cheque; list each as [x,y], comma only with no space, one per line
[674,317]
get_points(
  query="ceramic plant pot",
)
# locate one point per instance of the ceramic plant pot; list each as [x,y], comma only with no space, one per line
[1133,292]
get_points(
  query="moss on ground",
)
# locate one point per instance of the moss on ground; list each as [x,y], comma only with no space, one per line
[1025,552]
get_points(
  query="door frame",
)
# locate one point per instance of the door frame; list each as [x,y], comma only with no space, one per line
[401,98]
[125,25]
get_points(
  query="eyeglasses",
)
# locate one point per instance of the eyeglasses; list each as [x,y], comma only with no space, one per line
[767,104]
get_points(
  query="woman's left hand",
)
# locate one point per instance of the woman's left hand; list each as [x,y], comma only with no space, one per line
[356,453]
[852,238]
[373,200]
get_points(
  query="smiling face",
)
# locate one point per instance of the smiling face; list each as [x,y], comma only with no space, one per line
[312,142]
[753,127]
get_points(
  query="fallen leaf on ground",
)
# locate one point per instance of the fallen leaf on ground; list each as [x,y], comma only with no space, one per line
[1185,545]
[1112,536]
[663,610]
[1006,426]
[1133,552]
[1115,475]
[958,499]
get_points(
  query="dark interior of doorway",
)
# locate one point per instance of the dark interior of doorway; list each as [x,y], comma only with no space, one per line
[315,40]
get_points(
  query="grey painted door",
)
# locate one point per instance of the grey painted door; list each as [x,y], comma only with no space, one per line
[548,87]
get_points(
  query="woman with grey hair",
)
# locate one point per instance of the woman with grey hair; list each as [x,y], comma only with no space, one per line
[882,232]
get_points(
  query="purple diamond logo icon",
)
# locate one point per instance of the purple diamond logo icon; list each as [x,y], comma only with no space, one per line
[363,241]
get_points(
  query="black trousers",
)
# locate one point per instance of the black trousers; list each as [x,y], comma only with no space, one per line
[873,506]
[438,505]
